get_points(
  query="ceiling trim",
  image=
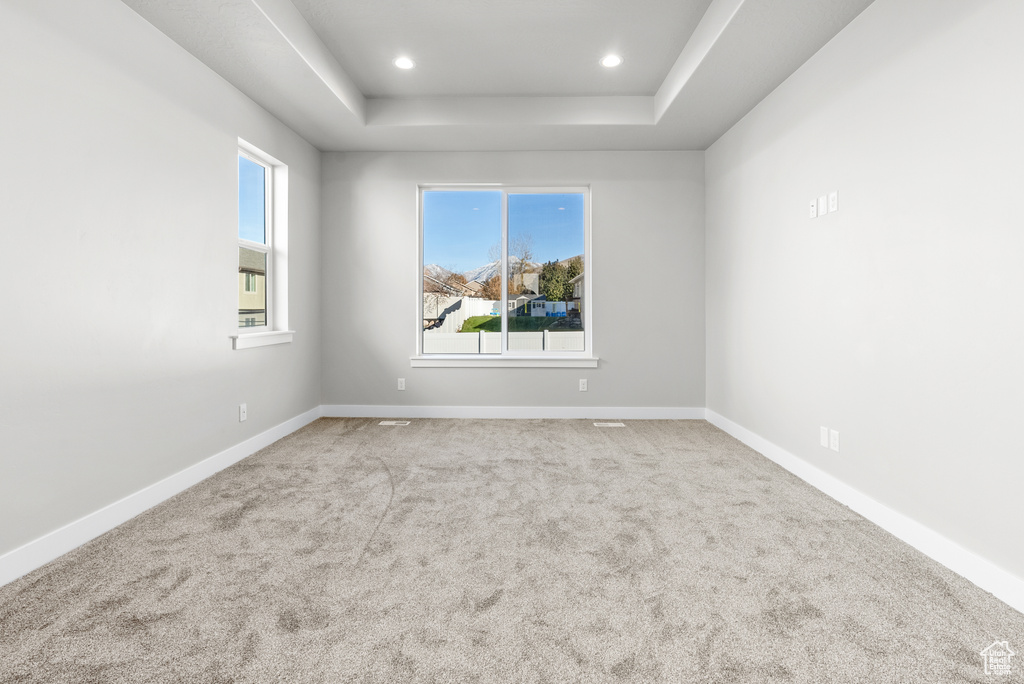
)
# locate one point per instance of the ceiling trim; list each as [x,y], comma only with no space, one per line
[711,27]
[529,111]
[289,22]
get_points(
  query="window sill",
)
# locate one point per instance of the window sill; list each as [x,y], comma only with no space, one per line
[493,361]
[261,339]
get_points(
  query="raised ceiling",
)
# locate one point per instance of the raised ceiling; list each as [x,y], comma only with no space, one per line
[488,47]
[501,75]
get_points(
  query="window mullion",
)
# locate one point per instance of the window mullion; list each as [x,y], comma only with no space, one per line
[504,272]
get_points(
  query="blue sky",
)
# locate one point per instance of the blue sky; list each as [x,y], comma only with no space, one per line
[251,200]
[460,227]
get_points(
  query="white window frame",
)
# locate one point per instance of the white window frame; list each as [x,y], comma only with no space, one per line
[509,358]
[275,282]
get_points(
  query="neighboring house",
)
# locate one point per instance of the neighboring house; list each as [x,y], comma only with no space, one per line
[474,289]
[252,288]
[519,305]
[576,304]
[577,288]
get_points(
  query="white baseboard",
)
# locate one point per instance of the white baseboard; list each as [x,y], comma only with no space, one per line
[1004,585]
[41,551]
[586,412]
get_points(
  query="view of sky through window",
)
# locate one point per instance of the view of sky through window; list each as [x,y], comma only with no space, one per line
[553,222]
[462,228]
[252,203]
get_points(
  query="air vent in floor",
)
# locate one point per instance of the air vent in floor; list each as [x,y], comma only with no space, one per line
[393,422]
[609,425]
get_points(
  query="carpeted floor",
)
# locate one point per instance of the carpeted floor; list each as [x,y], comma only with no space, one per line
[500,551]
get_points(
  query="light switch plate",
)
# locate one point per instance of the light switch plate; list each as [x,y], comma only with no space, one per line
[814,208]
[833,201]
[822,205]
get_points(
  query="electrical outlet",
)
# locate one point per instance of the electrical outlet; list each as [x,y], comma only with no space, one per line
[814,208]
[833,201]
[583,385]
[243,413]
[401,383]
[824,437]
[833,440]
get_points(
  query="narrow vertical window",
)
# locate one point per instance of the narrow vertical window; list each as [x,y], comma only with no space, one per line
[261,288]
[254,242]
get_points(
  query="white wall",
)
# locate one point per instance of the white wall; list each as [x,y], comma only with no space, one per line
[898,320]
[118,211]
[648,249]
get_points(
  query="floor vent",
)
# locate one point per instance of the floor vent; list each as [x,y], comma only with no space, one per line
[609,425]
[393,422]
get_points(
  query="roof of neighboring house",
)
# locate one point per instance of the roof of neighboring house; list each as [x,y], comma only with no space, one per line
[453,288]
[526,297]
[576,279]
[251,261]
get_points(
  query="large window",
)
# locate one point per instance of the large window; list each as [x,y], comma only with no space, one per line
[504,273]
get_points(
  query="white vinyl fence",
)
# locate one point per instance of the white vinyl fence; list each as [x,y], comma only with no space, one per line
[437,342]
[456,310]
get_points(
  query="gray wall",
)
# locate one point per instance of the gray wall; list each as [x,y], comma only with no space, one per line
[647,262]
[118,209]
[898,320]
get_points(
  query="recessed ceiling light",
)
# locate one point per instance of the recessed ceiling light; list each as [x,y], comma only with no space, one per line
[611,61]
[404,63]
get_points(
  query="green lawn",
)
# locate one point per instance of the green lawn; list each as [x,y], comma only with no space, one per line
[515,324]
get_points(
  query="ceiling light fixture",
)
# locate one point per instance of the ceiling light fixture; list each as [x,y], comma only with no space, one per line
[404,63]
[611,61]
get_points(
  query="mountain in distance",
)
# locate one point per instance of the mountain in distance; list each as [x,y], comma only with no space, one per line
[484,273]
[435,271]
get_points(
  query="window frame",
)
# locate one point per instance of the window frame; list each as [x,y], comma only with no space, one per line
[509,358]
[275,281]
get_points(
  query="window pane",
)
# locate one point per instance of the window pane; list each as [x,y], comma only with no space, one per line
[545,266]
[252,201]
[462,272]
[252,288]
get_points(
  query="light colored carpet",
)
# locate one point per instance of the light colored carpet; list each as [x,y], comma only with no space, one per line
[500,551]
